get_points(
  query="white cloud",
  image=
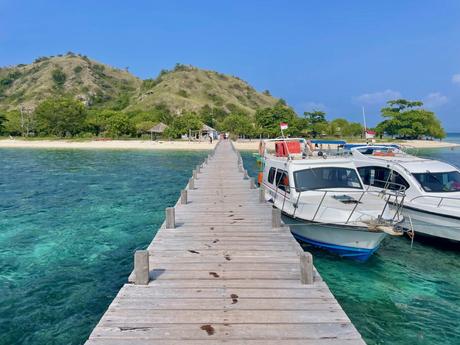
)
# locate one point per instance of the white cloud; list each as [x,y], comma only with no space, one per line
[456,78]
[435,99]
[378,97]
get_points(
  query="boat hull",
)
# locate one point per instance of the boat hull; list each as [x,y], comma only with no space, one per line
[347,241]
[434,225]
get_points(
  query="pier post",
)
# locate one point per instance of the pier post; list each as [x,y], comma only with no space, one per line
[183,197]
[198,169]
[252,184]
[246,176]
[306,268]
[170,218]
[141,267]
[261,194]
[240,168]
[194,174]
[276,218]
[191,183]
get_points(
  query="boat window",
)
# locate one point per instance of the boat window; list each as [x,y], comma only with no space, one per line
[382,177]
[271,175]
[439,182]
[329,177]
[383,151]
[282,180]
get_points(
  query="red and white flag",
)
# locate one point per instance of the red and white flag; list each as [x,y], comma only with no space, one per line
[283,125]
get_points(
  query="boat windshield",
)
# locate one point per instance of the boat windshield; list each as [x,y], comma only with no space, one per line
[327,177]
[439,182]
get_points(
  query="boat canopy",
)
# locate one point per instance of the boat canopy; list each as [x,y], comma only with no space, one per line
[352,146]
[328,142]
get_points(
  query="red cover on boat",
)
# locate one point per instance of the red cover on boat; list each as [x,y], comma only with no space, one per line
[283,148]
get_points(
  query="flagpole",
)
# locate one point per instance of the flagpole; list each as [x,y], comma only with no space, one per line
[284,140]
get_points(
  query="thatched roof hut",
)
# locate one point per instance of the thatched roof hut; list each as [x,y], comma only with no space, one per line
[159,128]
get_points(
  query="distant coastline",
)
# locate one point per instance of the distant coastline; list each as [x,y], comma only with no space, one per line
[110,144]
[172,145]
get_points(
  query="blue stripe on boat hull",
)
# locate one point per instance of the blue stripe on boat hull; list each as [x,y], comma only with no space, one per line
[359,254]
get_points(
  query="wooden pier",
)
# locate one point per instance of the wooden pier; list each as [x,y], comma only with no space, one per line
[221,270]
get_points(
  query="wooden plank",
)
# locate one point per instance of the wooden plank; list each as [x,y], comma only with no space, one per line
[224,303]
[305,331]
[226,316]
[142,341]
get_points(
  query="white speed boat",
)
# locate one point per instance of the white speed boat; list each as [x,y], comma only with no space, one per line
[432,187]
[323,200]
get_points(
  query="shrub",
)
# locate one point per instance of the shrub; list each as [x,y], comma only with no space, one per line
[59,77]
[183,93]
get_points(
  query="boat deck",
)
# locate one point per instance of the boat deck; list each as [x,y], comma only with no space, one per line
[224,275]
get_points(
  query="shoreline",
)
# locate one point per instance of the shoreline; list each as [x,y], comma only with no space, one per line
[110,144]
[173,145]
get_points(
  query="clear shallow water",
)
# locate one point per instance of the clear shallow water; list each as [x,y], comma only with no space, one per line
[401,296]
[70,221]
[69,224]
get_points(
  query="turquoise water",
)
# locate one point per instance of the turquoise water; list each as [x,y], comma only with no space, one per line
[71,220]
[69,224]
[402,295]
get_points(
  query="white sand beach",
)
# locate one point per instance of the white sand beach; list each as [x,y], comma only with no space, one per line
[108,144]
[251,145]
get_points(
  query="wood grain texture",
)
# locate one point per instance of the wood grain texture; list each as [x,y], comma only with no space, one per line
[226,274]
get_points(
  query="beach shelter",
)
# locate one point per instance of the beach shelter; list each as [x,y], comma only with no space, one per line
[159,128]
[209,131]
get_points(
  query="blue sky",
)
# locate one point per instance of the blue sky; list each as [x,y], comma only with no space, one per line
[332,55]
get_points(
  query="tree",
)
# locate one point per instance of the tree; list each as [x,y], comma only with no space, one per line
[341,127]
[238,124]
[121,102]
[407,120]
[354,129]
[212,115]
[3,121]
[60,116]
[317,122]
[13,125]
[119,124]
[268,120]
[144,126]
[183,124]
[59,77]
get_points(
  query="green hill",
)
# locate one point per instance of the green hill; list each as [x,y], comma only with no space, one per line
[73,75]
[182,89]
[191,88]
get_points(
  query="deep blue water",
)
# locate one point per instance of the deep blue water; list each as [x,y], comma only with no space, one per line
[70,221]
[69,224]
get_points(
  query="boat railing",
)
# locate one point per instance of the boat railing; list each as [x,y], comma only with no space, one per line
[388,185]
[394,197]
[438,200]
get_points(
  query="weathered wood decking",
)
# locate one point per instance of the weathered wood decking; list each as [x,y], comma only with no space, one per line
[224,276]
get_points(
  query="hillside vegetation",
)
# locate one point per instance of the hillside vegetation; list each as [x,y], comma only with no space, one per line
[183,89]
[191,88]
[73,96]
[71,75]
